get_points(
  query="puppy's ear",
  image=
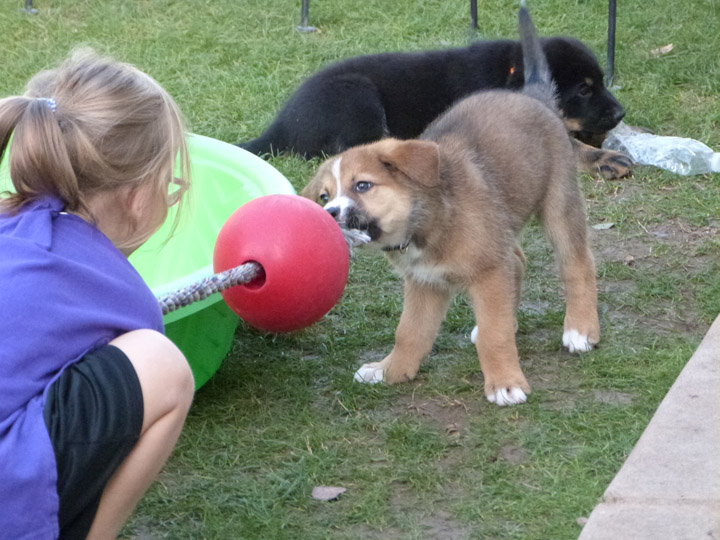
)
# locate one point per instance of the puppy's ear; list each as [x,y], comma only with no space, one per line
[418,160]
[312,190]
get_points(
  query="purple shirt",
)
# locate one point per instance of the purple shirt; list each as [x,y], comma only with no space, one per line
[65,290]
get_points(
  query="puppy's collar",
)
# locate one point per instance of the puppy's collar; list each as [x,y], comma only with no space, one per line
[402,248]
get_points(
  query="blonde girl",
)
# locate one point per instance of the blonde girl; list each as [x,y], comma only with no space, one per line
[93,396]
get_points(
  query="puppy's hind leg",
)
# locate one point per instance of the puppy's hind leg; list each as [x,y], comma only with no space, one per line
[565,224]
[519,264]
[424,310]
[494,298]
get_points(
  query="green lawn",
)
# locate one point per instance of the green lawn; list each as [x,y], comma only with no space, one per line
[431,459]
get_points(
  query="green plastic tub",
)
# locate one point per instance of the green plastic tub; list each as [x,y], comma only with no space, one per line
[224,178]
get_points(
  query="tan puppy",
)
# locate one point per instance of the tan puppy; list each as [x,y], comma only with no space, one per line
[448,209]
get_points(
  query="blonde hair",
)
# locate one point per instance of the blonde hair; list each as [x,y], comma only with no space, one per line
[89,126]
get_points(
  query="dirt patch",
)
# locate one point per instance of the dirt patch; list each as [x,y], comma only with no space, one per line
[613,398]
[534,307]
[437,527]
[438,524]
[441,526]
[513,454]
[671,248]
[447,413]
[642,248]
[609,246]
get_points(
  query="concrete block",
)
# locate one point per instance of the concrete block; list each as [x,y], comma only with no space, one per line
[669,486]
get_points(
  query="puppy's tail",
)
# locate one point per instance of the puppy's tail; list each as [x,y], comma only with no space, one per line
[538,79]
[267,144]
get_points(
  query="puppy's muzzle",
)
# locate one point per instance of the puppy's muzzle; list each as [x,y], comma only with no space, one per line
[335,212]
[613,118]
[347,216]
[351,218]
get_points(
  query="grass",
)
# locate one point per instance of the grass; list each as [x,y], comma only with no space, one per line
[430,459]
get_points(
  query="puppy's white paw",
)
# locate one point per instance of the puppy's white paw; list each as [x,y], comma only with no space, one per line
[370,374]
[474,334]
[508,396]
[576,342]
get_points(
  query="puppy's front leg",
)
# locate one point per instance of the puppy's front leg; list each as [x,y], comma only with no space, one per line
[494,298]
[610,164]
[424,310]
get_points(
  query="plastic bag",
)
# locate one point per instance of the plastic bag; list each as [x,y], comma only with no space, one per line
[675,154]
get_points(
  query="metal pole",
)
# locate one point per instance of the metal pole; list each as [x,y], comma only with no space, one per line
[305,18]
[29,7]
[612,16]
[473,14]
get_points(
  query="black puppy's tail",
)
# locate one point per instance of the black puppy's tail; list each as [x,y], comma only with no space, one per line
[270,143]
[260,146]
[538,79]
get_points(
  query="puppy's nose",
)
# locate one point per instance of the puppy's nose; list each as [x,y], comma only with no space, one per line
[619,115]
[334,211]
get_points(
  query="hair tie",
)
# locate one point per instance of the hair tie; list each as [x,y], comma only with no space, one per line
[50,103]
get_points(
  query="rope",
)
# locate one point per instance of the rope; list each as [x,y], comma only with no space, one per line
[242,274]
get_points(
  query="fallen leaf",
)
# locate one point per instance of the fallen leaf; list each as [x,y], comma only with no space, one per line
[662,50]
[327,493]
[603,226]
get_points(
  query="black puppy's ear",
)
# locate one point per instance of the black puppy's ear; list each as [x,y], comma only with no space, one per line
[417,160]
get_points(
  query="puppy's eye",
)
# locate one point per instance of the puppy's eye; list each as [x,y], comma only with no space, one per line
[362,186]
[324,198]
[584,90]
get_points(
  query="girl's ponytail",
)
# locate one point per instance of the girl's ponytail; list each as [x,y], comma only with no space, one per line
[39,161]
[11,109]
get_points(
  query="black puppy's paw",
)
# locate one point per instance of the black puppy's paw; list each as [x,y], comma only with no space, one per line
[613,165]
[610,164]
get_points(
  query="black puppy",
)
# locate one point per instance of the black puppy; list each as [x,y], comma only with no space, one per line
[365,98]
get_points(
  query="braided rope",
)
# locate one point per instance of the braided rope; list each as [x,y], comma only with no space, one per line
[242,274]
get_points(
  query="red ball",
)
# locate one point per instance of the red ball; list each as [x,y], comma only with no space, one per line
[303,253]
